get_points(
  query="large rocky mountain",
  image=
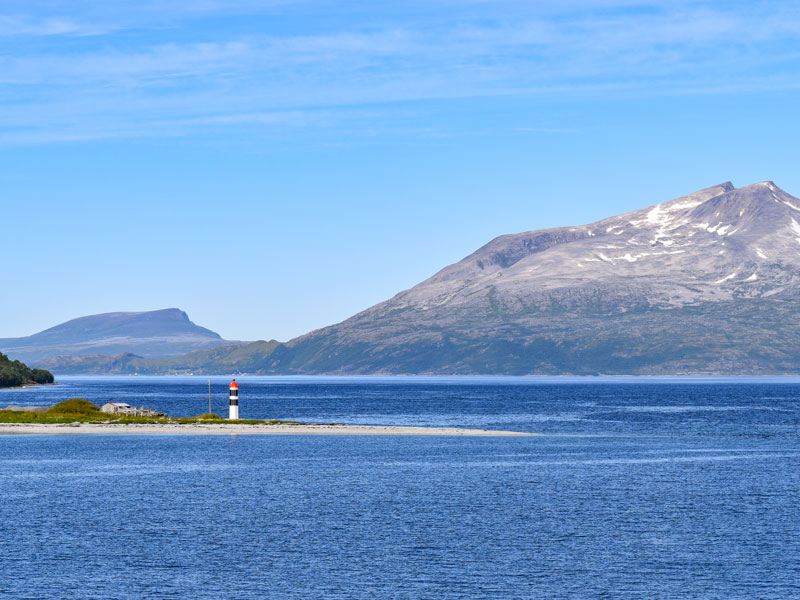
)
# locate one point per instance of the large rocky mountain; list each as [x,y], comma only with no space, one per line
[167,332]
[705,284]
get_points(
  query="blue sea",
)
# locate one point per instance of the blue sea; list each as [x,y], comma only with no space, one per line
[641,488]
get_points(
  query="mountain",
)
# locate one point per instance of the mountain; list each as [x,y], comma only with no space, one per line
[166,332]
[705,284]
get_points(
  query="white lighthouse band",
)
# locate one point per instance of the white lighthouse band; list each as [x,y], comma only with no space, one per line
[233,408]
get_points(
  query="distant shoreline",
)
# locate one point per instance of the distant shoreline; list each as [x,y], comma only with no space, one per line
[243,429]
[28,385]
[459,379]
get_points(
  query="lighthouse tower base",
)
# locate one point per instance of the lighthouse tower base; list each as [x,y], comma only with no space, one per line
[234,412]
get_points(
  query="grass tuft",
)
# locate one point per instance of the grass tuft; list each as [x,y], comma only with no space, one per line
[74,406]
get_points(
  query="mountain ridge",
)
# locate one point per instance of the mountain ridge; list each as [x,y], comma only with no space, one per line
[707,283]
[165,332]
[525,297]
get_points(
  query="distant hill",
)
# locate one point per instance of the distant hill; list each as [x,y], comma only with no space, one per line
[159,333]
[247,358]
[14,373]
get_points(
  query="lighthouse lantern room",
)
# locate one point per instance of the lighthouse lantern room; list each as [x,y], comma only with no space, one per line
[234,401]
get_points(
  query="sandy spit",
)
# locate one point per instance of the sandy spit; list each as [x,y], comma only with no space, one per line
[235,429]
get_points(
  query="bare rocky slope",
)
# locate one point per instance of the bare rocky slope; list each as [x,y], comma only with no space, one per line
[705,284]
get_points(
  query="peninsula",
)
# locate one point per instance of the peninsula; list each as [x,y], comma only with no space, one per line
[13,373]
[80,416]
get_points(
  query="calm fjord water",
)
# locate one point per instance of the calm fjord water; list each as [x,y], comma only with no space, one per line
[646,489]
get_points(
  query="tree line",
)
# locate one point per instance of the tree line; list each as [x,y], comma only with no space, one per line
[13,372]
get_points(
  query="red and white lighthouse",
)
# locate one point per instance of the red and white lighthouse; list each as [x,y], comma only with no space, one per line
[234,400]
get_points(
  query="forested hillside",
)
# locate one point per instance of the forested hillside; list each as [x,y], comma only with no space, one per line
[13,372]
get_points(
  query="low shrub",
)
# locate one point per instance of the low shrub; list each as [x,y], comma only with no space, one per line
[74,406]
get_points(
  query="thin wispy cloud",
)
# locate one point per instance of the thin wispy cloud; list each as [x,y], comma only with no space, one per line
[51,26]
[151,78]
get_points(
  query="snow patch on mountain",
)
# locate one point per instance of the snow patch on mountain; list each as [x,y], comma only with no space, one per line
[796,228]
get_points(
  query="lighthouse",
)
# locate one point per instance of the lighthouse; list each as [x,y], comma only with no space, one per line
[234,400]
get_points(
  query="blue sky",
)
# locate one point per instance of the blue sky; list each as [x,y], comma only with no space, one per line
[273,167]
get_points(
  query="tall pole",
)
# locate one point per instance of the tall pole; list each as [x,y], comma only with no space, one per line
[209,396]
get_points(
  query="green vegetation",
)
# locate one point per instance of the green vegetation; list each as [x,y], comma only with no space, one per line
[78,410]
[240,358]
[68,411]
[10,416]
[75,406]
[14,373]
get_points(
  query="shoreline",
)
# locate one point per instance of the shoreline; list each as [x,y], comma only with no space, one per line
[28,385]
[242,429]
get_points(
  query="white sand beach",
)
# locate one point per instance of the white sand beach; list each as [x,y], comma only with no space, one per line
[241,429]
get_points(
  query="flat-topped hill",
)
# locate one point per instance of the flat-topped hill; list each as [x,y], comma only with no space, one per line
[167,332]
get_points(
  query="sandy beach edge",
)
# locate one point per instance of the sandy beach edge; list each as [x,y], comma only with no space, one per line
[240,429]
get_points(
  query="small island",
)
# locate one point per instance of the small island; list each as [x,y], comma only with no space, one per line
[14,373]
[77,415]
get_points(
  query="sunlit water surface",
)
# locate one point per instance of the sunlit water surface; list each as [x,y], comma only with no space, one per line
[644,489]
